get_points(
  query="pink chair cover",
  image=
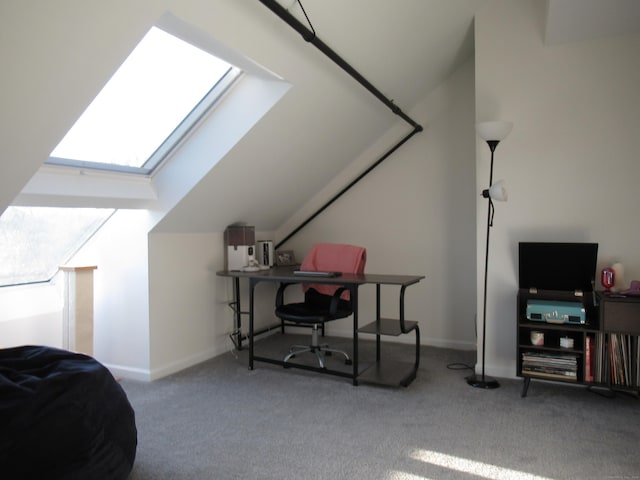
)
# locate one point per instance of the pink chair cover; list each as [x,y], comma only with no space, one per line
[333,257]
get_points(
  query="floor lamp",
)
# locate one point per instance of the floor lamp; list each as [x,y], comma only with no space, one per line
[492,133]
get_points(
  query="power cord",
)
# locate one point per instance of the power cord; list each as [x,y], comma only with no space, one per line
[459,366]
[464,366]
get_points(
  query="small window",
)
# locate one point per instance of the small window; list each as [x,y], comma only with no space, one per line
[35,241]
[157,95]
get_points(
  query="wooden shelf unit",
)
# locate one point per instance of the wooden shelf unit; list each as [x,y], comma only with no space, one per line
[605,348]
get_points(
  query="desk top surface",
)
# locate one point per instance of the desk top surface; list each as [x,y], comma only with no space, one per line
[613,297]
[285,274]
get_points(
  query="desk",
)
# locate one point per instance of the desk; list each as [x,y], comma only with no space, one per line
[381,326]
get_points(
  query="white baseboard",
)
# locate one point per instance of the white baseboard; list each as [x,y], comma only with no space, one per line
[130,373]
[146,375]
[497,371]
[183,363]
[501,371]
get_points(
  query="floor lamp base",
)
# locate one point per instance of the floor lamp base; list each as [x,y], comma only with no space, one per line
[480,381]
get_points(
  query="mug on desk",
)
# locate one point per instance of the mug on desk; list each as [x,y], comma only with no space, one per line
[537,338]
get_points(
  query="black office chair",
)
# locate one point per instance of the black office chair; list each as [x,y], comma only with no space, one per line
[322,302]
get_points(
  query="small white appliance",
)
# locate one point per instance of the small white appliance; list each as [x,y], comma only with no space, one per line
[264,253]
[239,246]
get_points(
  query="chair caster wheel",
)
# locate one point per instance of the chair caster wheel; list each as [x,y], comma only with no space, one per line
[348,362]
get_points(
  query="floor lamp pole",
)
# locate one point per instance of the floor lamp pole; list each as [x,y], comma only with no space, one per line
[474,380]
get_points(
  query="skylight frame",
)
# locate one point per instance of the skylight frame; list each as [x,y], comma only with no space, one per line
[189,123]
[173,141]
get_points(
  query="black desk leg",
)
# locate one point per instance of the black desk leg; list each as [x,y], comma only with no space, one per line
[252,286]
[378,323]
[237,313]
[353,292]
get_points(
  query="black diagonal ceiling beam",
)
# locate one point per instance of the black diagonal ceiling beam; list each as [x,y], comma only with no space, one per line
[312,38]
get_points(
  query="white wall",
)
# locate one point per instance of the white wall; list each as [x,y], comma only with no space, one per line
[121,292]
[571,160]
[136,334]
[415,214]
[31,315]
[190,317]
[419,203]
[416,220]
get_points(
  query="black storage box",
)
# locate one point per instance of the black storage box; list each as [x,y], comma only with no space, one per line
[564,272]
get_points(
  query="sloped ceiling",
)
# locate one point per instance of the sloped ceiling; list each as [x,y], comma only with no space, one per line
[57,55]
[405,49]
[574,20]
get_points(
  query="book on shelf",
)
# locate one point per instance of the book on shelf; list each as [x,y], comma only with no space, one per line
[599,356]
[621,349]
[589,364]
[637,362]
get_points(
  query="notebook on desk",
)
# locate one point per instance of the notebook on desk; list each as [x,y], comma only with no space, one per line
[311,273]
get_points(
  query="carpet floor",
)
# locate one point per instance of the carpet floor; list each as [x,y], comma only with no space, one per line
[219,420]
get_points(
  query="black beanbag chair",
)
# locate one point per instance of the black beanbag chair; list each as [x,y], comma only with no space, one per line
[62,416]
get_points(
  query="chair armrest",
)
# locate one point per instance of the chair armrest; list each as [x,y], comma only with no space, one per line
[280,294]
[335,300]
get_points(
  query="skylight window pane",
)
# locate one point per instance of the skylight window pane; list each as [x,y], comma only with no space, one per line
[35,241]
[152,92]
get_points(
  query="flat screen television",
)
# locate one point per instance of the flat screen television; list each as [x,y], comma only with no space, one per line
[557,266]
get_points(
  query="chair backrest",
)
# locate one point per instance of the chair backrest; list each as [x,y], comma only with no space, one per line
[333,257]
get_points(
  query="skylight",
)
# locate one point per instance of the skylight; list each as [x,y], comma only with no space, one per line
[35,241]
[157,95]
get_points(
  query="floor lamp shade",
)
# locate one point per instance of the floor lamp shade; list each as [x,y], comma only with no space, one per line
[497,191]
[496,130]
